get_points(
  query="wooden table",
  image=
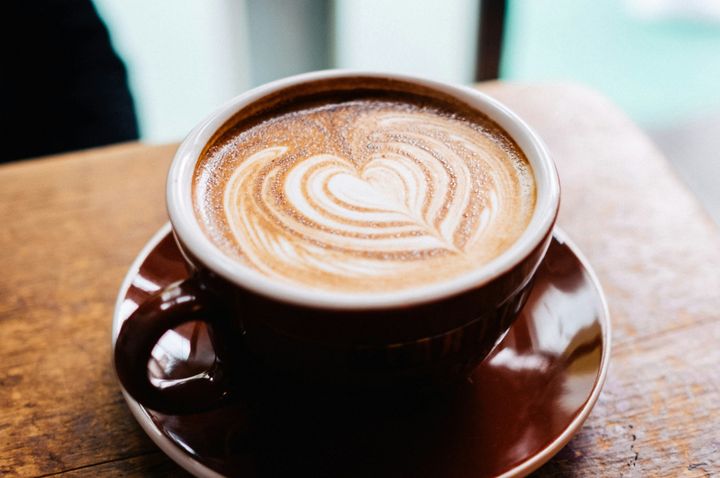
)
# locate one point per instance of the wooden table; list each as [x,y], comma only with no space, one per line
[72,224]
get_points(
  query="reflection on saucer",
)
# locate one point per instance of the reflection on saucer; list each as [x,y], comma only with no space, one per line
[518,409]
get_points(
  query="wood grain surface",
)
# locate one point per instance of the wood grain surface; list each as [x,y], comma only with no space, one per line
[71,225]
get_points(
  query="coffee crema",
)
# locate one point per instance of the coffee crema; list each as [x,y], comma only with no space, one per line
[365,194]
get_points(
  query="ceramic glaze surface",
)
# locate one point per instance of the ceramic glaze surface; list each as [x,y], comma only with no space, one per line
[521,406]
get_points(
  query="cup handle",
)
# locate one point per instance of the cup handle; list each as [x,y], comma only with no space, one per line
[176,304]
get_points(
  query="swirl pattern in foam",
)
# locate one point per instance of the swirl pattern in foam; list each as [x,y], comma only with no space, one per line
[364,195]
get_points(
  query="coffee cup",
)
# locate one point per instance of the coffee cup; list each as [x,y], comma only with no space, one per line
[347,229]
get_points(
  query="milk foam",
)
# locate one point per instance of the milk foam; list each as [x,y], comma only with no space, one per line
[364,195]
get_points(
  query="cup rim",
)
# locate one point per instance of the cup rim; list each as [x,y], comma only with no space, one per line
[189,231]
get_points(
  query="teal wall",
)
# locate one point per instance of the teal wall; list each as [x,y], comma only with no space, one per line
[659,71]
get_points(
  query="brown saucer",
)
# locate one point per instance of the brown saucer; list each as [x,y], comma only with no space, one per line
[522,405]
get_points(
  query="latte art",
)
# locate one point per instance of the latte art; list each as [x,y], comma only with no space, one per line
[364,195]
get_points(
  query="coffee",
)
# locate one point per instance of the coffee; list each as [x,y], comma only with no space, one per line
[366,192]
[339,227]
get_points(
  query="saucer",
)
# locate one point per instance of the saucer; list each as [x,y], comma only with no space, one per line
[519,408]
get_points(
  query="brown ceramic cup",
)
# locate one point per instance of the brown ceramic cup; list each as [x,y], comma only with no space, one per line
[430,336]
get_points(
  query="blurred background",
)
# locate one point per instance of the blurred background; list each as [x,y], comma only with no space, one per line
[659,60]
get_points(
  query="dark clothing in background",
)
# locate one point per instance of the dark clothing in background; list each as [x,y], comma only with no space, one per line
[64,87]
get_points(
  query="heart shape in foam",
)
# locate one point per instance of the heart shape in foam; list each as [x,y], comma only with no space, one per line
[399,190]
[391,197]
[368,193]
[388,205]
